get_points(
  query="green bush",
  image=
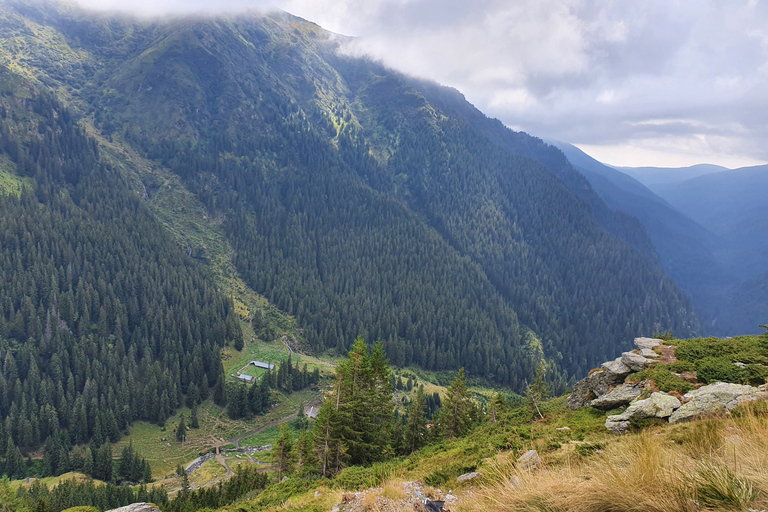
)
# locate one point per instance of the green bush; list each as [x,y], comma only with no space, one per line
[682,366]
[713,369]
[664,379]
[447,474]
[355,478]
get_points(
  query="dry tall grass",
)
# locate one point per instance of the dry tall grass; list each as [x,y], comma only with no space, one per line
[715,464]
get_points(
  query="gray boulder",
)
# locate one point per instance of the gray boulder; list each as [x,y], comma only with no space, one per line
[467,477]
[649,343]
[136,507]
[597,383]
[647,352]
[618,396]
[636,362]
[581,395]
[617,368]
[529,460]
[658,405]
[716,398]
[616,426]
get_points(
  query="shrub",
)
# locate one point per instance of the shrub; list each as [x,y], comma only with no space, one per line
[664,379]
[359,477]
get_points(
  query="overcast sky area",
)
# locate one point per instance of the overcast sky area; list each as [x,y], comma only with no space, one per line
[652,83]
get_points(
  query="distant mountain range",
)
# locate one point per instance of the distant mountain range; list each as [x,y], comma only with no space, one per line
[651,176]
[710,227]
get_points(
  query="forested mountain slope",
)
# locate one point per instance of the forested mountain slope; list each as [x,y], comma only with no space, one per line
[354,198]
[709,236]
[731,204]
[102,320]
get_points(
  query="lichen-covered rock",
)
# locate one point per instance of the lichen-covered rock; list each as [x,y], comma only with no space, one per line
[649,343]
[664,404]
[597,383]
[617,368]
[715,398]
[137,507]
[618,396]
[468,476]
[647,352]
[658,405]
[636,362]
[616,426]
[529,460]
[580,396]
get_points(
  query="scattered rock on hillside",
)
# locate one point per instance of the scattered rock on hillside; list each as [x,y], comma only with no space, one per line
[615,425]
[468,476]
[137,507]
[530,460]
[618,396]
[715,398]
[602,389]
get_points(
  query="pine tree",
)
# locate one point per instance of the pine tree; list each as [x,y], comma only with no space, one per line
[494,407]
[193,422]
[455,416]
[355,423]
[283,456]
[181,430]
[537,392]
[416,427]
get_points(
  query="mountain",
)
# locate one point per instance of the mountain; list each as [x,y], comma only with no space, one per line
[352,197]
[650,176]
[709,232]
[685,247]
[731,204]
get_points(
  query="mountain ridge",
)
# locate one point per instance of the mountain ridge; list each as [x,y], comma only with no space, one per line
[294,148]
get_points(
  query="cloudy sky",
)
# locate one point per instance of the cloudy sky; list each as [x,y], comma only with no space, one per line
[656,82]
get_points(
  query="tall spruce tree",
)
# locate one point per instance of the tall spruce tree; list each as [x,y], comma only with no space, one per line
[416,426]
[283,457]
[355,422]
[456,414]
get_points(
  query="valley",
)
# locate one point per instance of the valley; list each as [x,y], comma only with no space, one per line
[212,225]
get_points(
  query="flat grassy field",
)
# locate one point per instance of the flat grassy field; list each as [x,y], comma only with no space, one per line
[268,352]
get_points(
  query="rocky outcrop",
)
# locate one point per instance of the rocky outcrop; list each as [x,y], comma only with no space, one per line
[658,405]
[598,383]
[647,343]
[606,389]
[715,398]
[618,396]
[636,362]
[591,390]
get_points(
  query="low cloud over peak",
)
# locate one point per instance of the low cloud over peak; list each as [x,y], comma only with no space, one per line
[682,80]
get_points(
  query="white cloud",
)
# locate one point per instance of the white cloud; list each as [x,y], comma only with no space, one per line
[596,73]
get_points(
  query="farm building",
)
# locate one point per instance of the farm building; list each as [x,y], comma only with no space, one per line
[266,366]
[246,378]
